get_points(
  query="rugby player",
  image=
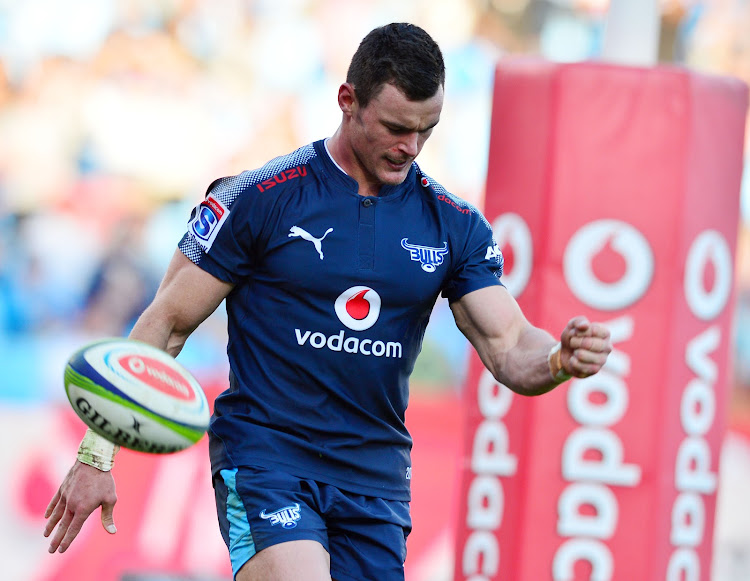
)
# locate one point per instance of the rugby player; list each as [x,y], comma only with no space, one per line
[330,260]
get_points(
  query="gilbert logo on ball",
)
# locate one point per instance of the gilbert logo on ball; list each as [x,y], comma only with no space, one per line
[136,395]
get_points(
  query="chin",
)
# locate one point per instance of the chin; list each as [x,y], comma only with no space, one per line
[392,178]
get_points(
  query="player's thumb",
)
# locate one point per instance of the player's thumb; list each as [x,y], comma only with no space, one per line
[108,519]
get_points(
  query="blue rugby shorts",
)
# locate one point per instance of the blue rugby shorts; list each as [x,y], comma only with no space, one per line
[364,536]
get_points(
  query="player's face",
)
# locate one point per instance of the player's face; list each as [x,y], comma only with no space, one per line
[390,132]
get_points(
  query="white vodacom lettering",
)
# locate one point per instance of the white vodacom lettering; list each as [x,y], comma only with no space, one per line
[709,247]
[340,342]
[693,477]
[593,455]
[490,460]
[591,475]
[358,309]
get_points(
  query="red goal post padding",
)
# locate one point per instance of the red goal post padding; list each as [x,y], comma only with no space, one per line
[614,193]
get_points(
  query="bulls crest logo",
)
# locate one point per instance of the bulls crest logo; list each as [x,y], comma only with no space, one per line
[430,258]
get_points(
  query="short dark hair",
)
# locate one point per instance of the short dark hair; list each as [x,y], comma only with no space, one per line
[402,54]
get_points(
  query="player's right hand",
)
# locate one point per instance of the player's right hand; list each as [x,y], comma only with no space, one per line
[84,489]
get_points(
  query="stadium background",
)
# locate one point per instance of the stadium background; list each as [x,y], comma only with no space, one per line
[114,117]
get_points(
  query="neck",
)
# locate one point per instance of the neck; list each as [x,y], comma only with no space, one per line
[344,157]
[340,154]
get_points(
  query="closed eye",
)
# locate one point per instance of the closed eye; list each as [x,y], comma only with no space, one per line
[395,130]
[401,130]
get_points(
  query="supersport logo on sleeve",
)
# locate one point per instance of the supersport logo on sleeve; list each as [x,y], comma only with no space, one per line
[208,218]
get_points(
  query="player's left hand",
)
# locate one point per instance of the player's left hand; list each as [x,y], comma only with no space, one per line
[584,347]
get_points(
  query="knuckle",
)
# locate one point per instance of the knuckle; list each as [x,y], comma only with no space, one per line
[76,508]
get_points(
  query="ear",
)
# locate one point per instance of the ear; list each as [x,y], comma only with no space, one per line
[347,99]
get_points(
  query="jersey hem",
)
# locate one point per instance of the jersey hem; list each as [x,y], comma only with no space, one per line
[351,487]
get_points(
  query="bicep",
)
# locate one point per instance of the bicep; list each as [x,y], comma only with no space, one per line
[191,290]
[490,318]
[186,297]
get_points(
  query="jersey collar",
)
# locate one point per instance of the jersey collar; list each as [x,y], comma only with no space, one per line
[336,171]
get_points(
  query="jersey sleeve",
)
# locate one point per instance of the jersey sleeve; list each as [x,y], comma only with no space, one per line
[220,232]
[480,264]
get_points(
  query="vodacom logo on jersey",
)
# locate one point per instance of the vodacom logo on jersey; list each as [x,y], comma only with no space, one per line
[358,308]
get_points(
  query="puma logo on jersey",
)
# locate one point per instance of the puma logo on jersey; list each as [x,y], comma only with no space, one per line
[295,231]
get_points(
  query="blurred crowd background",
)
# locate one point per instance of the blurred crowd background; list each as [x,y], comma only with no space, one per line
[115,115]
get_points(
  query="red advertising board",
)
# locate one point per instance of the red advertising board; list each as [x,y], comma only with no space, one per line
[167,528]
[614,193]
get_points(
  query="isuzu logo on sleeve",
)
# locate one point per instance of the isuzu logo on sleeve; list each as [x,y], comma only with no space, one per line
[429,257]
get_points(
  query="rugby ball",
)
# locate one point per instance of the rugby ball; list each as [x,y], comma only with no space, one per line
[136,395]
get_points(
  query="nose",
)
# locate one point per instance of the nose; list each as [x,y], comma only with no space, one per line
[410,144]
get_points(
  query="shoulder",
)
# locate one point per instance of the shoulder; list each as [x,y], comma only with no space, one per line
[280,172]
[244,201]
[450,206]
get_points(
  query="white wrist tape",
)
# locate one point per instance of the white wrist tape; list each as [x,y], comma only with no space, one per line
[556,369]
[97,451]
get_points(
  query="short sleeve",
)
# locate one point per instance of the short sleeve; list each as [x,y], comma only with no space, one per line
[480,264]
[219,236]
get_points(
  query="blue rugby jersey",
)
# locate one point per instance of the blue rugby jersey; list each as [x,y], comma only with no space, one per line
[333,293]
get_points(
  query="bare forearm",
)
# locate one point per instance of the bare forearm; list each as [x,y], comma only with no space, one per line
[513,350]
[520,355]
[160,331]
[536,363]
[525,368]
